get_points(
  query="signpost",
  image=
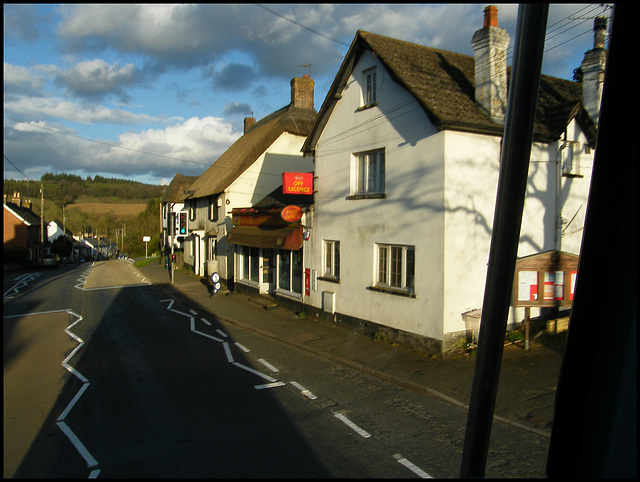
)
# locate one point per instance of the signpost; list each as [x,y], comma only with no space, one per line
[146,239]
[215,281]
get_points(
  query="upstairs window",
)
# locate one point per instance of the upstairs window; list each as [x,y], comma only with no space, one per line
[570,157]
[371,88]
[369,173]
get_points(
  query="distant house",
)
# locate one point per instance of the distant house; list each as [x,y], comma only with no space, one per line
[245,174]
[171,203]
[22,232]
[55,229]
[407,147]
[96,248]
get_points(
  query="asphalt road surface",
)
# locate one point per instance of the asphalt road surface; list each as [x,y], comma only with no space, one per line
[106,375]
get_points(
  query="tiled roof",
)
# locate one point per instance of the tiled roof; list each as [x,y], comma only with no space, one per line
[177,190]
[25,214]
[248,148]
[443,84]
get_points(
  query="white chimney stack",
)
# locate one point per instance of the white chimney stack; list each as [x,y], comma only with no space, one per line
[593,66]
[490,53]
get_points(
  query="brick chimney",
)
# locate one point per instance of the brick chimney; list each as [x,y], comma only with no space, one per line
[593,67]
[302,92]
[248,122]
[490,54]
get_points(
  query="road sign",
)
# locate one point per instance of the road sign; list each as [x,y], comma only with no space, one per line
[215,280]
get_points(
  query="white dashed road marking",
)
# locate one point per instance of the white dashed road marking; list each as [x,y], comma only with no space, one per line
[413,468]
[351,425]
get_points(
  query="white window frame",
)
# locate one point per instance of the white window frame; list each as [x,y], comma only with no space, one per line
[394,267]
[370,83]
[369,172]
[331,259]
[289,275]
[249,264]
[570,156]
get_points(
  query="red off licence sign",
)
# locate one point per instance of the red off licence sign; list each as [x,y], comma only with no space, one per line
[297,183]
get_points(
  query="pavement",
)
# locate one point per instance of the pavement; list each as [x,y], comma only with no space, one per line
[528,378]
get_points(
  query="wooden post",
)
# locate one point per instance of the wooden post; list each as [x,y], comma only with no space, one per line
[527,316]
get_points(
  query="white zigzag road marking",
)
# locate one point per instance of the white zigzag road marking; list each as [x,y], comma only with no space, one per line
[79,446]
[91,461]
[22,281]
[192,314]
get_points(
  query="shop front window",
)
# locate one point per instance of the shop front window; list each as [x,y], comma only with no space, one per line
[250,263]
[284,270]
[296,272]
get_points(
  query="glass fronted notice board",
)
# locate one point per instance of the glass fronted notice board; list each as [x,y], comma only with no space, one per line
[545,279]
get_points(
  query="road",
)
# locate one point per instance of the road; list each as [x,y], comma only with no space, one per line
[107,375]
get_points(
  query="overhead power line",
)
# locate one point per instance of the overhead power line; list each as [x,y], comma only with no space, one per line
[16,167]
[303,26]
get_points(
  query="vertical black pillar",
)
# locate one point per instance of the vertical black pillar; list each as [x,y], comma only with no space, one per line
[512,181]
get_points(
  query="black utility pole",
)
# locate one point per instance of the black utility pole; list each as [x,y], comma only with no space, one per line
[512,183]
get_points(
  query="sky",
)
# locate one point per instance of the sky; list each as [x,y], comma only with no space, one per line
[143,92]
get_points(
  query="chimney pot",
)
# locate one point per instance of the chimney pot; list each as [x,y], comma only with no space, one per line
[599,32]
[491,16]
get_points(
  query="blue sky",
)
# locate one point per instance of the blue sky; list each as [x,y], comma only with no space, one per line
[143,92]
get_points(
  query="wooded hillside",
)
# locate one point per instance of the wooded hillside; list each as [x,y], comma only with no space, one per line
[64,189]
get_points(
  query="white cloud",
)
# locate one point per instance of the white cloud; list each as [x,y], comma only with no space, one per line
[198,140]
[96,78]
[188,147]
[58,108]
[19,79]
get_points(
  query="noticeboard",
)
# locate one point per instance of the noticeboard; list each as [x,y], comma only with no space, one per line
[545,279]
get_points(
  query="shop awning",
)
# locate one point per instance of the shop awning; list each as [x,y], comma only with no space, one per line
[266,237]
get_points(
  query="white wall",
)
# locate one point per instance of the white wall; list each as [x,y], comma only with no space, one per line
[472,170]
[411,214]
[440,197]
[471,180]
[254,184]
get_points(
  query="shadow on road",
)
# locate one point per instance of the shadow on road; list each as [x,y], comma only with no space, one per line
[169,395]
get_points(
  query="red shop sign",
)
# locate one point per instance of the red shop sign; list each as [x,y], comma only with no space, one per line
[291,213]
[297,183]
